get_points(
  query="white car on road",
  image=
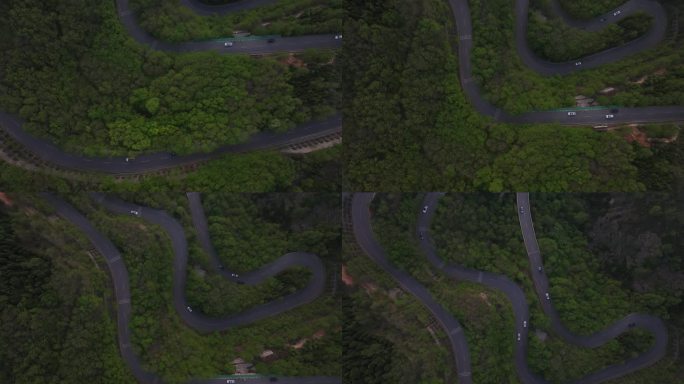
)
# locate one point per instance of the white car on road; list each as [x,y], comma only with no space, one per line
[425,208]
[578,63]
[547,296]
[610,116]
[524,323]
[518,336]
[189,309]
[135,213]
[228,44]
[617,13]
[572,113]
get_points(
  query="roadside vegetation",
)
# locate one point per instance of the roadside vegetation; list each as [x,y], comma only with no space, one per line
[408,125]
[583,241]
[171,21]
[89,88]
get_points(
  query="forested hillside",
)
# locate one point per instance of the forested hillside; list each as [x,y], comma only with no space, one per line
[78,79]
[408,125]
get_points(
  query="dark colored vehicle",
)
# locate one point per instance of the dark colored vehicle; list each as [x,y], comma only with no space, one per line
[614,110]
[241,282]
[271,40]
[273,379]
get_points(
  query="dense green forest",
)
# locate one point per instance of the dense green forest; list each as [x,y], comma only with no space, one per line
[87,86]
[254,172]
[653,77]
[159,336]
[408,125]
[169,20]
[578,234]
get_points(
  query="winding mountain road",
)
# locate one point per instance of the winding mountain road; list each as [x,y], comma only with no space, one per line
[193,319]
[361,222]
[461,14]
[48,152]
[363,232]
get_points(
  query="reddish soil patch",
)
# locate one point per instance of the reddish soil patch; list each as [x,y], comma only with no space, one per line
[293,61]
[320,333]
[299,344]
[346,277]
[637,136]
[369,287]
[5,199]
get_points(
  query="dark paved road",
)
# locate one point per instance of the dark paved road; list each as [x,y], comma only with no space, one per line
[239,5]
[364,236]
[194,319]
[461,14]
[48,152]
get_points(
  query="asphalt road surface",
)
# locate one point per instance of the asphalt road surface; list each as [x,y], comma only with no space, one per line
[364,236]
[194,319]
[461,14]
[239,5]
[48,152]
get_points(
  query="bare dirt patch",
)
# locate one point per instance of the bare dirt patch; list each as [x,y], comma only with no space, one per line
[5,199]
[635,135]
